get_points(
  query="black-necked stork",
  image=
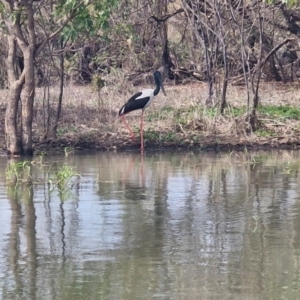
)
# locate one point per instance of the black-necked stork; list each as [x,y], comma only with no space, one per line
[141,100]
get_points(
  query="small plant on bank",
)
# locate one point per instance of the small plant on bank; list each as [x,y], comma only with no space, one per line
[151,135]
[265,132]
[64,130]
[233,111]
[98,84]
[169,137]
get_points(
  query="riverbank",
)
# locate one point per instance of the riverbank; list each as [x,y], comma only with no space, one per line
[216,143]
[179,121]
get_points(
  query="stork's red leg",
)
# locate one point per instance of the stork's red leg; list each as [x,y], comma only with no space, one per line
[142,131]
[126,124]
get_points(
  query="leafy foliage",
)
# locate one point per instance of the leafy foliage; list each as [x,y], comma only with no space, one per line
[89,17]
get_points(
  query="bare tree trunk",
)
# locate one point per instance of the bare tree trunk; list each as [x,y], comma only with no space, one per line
[27,103]
[163,29]
[255,86]
[222,36]
[11,133]
[25,84]
[61,87]
[202,33]
[16,85]
[225,84]
[27,98]
[240,9]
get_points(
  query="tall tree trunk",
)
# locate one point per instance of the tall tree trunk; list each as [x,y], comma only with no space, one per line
[11,133]
[29,86]
[61,87]
[27,102]
[20,87]
[163,29]
[15,145]
[255,85]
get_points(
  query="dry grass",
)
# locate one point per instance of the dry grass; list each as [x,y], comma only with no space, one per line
[90,119]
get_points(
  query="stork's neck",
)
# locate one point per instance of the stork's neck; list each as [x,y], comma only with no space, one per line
[157,89]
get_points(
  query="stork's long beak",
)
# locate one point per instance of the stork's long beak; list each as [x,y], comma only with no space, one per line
[163,89]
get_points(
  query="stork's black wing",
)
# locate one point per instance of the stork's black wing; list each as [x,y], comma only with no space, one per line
[134,104]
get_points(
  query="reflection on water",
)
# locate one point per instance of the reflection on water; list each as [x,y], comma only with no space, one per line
[165,226]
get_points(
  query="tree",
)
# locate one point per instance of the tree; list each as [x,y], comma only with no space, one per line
[29,27]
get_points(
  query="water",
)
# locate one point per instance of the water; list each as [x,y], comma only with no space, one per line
[161,226]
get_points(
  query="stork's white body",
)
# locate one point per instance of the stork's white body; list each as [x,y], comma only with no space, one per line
[141,100]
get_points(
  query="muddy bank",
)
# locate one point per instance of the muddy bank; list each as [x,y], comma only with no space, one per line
[93,139]
[190,141]
[112,142]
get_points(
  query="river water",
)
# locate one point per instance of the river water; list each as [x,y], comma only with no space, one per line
[157,226]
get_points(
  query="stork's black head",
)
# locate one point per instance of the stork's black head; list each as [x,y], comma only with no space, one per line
[158,81]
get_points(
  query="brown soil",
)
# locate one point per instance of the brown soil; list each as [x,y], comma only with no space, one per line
[90,122]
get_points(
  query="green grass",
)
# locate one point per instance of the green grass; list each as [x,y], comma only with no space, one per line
[167,109]
[236,111]
[210,112]
[161,114]
[264,132]
[282,112]
[63,130]
[158,137]
[151,135]
[185,115]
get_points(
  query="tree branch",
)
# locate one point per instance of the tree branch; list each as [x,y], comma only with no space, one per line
[168,16]
[275,49]
[71,15]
